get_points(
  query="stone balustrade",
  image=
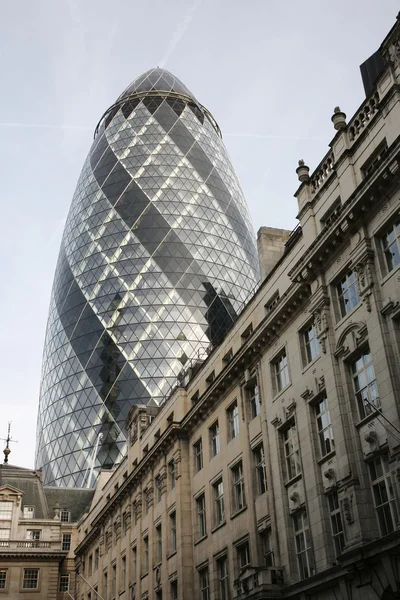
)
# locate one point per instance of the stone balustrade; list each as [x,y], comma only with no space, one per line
[361,119]
[29,545]
[322,172]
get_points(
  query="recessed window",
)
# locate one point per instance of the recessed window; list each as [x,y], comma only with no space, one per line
[158,544]
[365,387]
[134,561]
[174,589]
[243,555]
[223,578]
[239,498]
[268,556]
[204,584]
[105,584]
[63,584]
[228,356]
[96,559]
[391,246]
[198,455]
[145,554]
[3,579]
[215,441]
[336,523]
[303,544]
[29,512]
[172,526]
[201,515]
[247,333]
[272,302]
[172,474]
[260,471]
[383,494]
[210,378]
[65,516]
[233,420]
[113,580]
[6,510]
[347,293]
[310,344]
[66,542]
[33,534]
[324,427]
[292,454]
[31,579]
[281,371]
[218,495]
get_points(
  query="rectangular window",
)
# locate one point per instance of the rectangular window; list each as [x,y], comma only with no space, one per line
[105,584]
[347,293]
[66,542]
[281,371]
[268,557]
[29,512]
[145,555]
[310,344]
[159,595]
[292,454]
[391,246]
[172,524]
[198,455]
[158,544]
[134,561]
[303,544]
[113,580]
[172,475]
[123,573]
[96,559]
[201,515]
[6,510]
[204,584]
[215,442]
[239,500]
[223,578]
[260,471]
[3,579]
[65,516]
[158,485]
[174,590]
[243,555]
[253,397]
[324,427]
[90,565]
[336,523]
[219,511]
[31,579]
[233,420]
[382,490]
[365,386]
[5,533]
[63,584]
[33,534]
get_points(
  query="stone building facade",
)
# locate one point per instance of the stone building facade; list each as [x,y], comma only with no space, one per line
[273,469]
[37,535]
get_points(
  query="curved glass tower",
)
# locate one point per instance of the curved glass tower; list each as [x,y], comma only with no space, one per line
[157,258]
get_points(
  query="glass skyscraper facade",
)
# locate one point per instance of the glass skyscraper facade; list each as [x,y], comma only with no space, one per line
[157,258]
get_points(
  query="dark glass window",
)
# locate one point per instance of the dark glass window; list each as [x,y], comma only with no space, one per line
[347,293]
[391,246]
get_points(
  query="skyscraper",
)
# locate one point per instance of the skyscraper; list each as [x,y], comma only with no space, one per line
[157,258]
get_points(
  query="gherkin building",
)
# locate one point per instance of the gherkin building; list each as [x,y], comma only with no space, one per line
[157,258]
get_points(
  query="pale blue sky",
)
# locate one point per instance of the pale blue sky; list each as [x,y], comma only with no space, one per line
[270,72]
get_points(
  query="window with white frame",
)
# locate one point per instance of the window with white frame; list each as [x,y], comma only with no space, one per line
[201,515]
[347,293]
[66,542]
[243,555]
[215,441]
[310,344]
[292,454]
[253,397]
[63,584]
[204,584]
[260,471]
[30,579]
[303,544]
[233,420]
[172,474]
[324,427]
[239,499]
[29,512]
[6,510]
[383,493]
[391,246]
[198,455]
[336,522]
[223,578]
[281,371]
[365,387]
[5,533]
[33,534]
[3,579]
[172,524]
[218,495]
[158,544]
[268,557]
[65,516]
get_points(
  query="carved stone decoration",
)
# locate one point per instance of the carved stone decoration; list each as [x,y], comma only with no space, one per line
[347,507]
[133,591]
[163,480]
[57,512]
[117,528]
[321,324]
[365,280]
[138,507]
[177,460]
[394,53]
[108,539]
[127,517]
[101,545]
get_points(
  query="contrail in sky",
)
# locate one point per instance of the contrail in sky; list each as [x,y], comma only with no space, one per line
[179,32]
[47,126]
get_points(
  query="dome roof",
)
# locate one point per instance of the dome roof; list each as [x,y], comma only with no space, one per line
[157,80]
